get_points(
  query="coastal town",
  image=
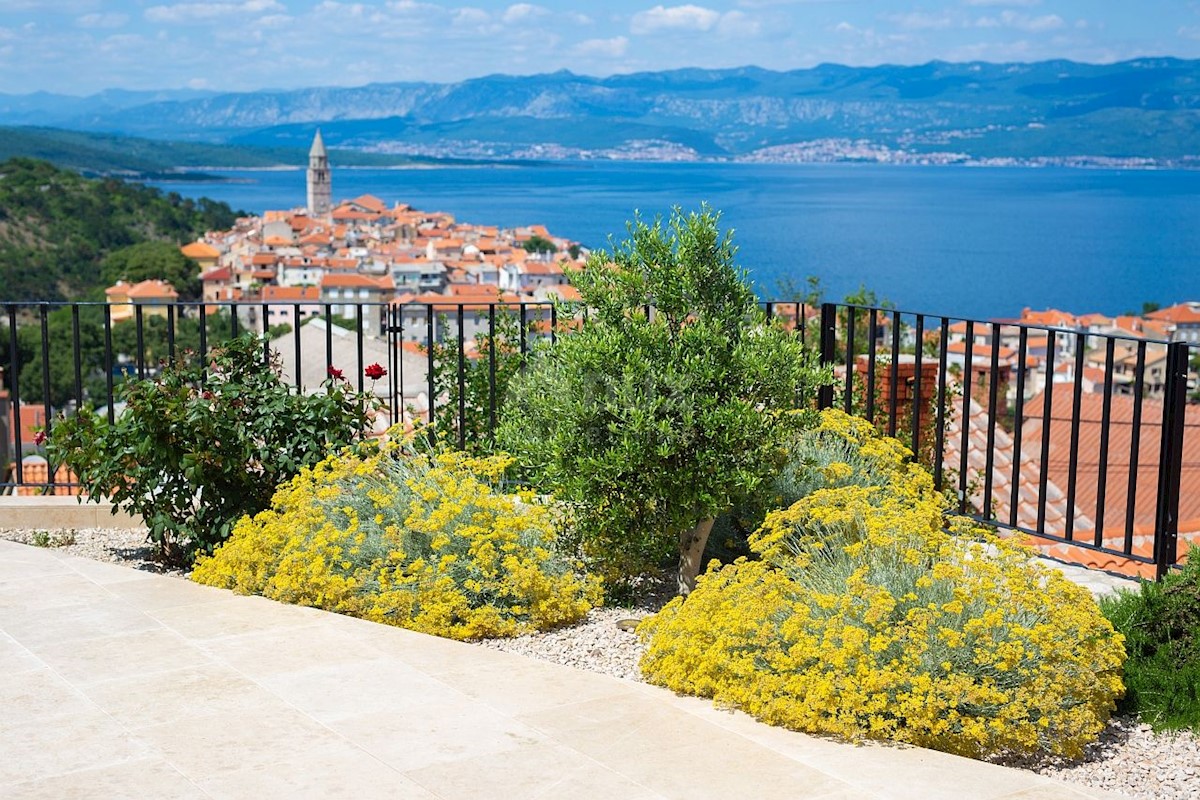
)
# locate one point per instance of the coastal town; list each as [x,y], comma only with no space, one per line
[362,264]
[337,286]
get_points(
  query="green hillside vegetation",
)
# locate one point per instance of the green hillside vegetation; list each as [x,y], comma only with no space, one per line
[108,154]
[58,227]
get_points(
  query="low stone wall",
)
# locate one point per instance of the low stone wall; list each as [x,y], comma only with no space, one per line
[48,512]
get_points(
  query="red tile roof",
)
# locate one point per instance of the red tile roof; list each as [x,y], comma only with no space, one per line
[1188,313]
[1115,468]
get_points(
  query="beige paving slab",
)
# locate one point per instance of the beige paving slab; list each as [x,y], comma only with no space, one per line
[540,769]
[151,687]
[230,616]
[54,590]
[889,770]
[121,656]
[131,780]
[160,698]
[332,772]
[39,694]
[261,654]
[36,627]
[20,562]
[15,657]
[168,592]
[103,572]
[38,749]
[515,684]
[376,684]
[204,744]
[436,733]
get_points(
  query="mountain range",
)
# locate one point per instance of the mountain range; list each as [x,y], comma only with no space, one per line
[1145,109]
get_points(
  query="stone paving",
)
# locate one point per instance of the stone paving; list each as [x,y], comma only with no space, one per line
[120,683]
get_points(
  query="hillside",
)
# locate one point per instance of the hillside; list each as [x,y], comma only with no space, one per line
[56,226]
[1144,108]
[106,154]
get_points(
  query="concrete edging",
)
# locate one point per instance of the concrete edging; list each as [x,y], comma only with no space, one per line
[49,512]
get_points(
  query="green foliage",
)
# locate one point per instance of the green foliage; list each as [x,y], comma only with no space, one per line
[1161,624]
[204,443]
[652,422]
[153,260]
[864,617]
[473,430]
[411,538]
[41,538]
[539,244]
[56,227]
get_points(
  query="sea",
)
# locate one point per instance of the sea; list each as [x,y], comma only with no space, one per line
[978,242]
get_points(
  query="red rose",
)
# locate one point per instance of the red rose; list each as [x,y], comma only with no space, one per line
[375,372]
[39,438]
[335,373]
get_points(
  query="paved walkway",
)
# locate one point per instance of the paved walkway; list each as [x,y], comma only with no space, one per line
[120,683]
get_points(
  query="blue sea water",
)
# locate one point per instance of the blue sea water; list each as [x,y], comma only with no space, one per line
[961,241]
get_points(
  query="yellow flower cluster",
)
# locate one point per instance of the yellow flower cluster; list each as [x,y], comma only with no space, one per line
[413,539]
[867,616]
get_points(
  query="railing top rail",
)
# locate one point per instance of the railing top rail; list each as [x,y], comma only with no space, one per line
[1004,322]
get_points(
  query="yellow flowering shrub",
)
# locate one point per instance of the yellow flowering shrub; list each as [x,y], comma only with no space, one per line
[424,541]
[866,618]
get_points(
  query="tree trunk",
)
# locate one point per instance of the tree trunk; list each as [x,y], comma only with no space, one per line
[691,550]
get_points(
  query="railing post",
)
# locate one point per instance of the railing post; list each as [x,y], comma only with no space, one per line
[828,348]
[1170,459]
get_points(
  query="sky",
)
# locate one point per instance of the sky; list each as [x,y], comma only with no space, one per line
[83,46]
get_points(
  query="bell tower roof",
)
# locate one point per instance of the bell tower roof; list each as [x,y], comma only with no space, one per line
[318,146]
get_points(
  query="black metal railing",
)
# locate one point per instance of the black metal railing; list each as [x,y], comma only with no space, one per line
[58,356]
[1079,438]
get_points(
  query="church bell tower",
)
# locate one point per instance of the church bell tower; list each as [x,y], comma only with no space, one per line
[320,181]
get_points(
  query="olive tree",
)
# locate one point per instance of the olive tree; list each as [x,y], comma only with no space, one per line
[669,404]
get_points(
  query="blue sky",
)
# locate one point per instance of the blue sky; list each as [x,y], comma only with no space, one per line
[83,46]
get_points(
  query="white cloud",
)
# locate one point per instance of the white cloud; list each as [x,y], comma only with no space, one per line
[1190,33]
[1022,22]
[680,18]
[471,17]
[736,24]
[615,47]
[102,20]
[192,12]
[920,21]
[693,18]
[520,12]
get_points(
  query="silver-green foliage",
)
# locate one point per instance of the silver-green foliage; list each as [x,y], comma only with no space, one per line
[670,402]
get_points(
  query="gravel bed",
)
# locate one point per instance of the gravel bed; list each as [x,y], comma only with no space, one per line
[1129,758]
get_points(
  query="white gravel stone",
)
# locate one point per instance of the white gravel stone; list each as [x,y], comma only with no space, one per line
[1128,758]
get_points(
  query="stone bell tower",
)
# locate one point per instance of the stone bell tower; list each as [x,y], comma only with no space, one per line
[320,180]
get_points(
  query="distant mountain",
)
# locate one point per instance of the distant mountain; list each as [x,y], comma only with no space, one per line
[1145,108]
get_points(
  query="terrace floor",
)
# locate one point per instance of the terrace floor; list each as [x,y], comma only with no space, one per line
[122,683]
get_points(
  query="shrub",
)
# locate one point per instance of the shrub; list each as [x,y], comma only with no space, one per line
[842,450]
[205,442]
[1161,625]
[866,619]
[668,404]
[408,538]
